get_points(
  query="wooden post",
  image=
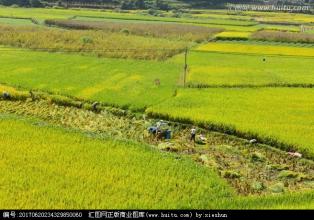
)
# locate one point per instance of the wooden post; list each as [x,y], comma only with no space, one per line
[185,66]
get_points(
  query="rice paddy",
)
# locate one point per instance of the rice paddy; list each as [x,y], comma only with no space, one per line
[207,70]
[269,114]
[56,65]
[254,48]
[115,82]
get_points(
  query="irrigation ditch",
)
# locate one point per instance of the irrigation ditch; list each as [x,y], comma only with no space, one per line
[251,168]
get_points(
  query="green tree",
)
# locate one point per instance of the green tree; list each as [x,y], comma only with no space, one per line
[23,3]
[140,4]
[160,4]
[35,3]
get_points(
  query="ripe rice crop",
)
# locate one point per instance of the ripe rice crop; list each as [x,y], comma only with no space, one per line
[219,156]
[272,115]
[282,36]
[122,82]
[91,173]
[254,48]
[206,69]
[98,43]
[233,35]
[158,30]
[110,174]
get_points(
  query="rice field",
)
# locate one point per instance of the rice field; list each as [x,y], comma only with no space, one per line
[84,170]
[158,30]
[254,48]
[90,173]
[281,36]
[206,69]
[118,82]
[97,43]
[271,114]
[14,21]
[236,35]
[236,85]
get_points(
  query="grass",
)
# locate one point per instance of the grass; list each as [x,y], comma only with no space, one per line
[206,69]
[117,82]
[254,48]
[89,173]
[275,115]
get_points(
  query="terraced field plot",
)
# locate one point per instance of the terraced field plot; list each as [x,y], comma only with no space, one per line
[91,173]
[97,43]
[261,49]
[268,170]
[159,30]
[113,81]
[283,115]
[228,69]
[227,35]
[13,21]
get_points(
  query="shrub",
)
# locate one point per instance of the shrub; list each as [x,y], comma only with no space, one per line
[87,40]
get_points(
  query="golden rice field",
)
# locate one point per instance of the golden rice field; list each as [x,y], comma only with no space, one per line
[273,115]
[206,69]
[97,43]
[233,35]
[132,63]
[253,48]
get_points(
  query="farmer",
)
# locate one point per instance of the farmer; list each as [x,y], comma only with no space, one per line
[6,95]
[94,106]
[32,94]
[193,134]
[159,124]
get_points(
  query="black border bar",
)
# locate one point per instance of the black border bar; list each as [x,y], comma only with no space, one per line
[157,214]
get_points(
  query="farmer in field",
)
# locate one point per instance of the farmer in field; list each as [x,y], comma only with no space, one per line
[193,134]
[159,124]
[6,95]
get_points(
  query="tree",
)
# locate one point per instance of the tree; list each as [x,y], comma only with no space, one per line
[35,3]
[127,5]
[8,2]
[23,3]
[160,4]
[140,4]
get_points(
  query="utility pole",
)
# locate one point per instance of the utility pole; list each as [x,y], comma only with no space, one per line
[185,66]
